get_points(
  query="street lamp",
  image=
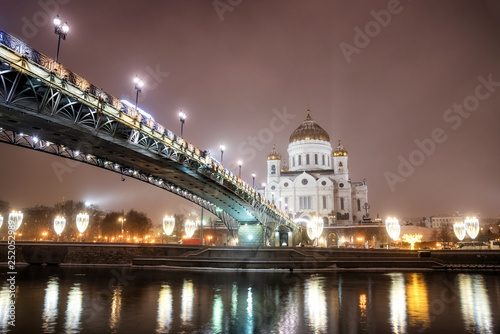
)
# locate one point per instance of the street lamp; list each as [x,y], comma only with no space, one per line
[472,227]
[59,224]
[60,29]
[138,87]
[222,148]
[15,220]
[393,228]
[122,220]
[182,118]
[239,164]
[460,230]
[253,180]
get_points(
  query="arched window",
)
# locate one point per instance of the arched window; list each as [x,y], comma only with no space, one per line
[307,159]
[273,169]
[293,161]
[316,159]
[324,160]
[359,205]
[300,160]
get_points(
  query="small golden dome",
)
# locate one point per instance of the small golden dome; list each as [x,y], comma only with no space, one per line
[340,150]
[309,130]
[274,155]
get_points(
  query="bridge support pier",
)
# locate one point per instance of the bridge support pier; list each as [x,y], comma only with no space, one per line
[251,235]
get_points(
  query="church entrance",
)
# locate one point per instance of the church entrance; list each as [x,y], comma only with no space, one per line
[332,240]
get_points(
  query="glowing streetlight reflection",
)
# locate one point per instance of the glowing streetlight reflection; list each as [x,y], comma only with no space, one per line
[49,315]
[165,309]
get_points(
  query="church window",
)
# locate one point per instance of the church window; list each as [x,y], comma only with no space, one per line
[304,181]
[323,159]
[328,162]
[316,159]
[301,203]
[359,205]
[286,200]
[307,159]
[285,184]
[341,203]
[305,202]
[293,161]
[300,160]
[273,169]
[324,202]
[341,185]
[273,188]
[323,183]
[341,165]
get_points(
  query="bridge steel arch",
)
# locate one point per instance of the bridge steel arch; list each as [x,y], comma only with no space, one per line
[46,107]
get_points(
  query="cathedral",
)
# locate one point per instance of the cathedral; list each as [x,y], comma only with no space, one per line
[316,181]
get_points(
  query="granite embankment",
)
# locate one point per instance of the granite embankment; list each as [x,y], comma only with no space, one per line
[303,258]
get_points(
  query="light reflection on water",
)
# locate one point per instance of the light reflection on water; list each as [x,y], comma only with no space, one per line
[397,303]
[475,305]
[50,304]
[315,304]
[188,302]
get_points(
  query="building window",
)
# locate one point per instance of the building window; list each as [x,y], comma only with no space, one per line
[286,200]
[324,202]
[293,161]
[307,159]
[300,160]
[341,203]
[273,169]
[316,159]
[323,159]
[359,205]
[328,162]
[305,202]
[341,165]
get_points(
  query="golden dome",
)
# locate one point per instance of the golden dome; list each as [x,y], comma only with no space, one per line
[274,155]
[340,150]
[308,130]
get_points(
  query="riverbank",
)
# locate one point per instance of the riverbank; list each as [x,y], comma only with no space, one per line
[297,258]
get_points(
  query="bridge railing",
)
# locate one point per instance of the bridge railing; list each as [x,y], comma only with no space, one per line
[49,64]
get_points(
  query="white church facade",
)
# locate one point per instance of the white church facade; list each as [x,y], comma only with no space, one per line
[316,181]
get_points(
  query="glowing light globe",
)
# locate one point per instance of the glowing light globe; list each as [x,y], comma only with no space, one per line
[15,220]
[472,227]
[393,228]
[59,224]
[190,228]
[460,230]
[168,225]
[82,221]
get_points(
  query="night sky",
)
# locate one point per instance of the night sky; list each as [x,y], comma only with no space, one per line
[426,74]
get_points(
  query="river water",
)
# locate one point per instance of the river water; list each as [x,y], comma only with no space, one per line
[126,300]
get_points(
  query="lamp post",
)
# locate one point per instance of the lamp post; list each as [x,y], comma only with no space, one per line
[138,87]
[122,220]
[182,118]
[239,164]
[222,148]
[60,29]
[253,180]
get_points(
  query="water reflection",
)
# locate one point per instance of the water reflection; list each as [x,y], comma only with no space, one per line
[217,312]
[116,306]
[289,321]
[476,309]
[397,303]
[249,327]
[50,306]
[315,303]
[74,309]
[4,308]
[164,309]
[417,301]
[187,301]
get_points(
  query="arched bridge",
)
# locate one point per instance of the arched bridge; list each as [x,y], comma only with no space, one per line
[46,107]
